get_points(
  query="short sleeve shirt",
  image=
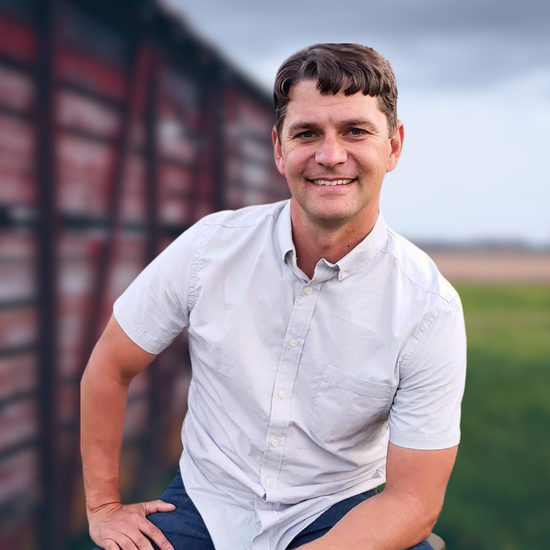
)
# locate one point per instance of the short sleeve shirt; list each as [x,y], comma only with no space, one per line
[298,384]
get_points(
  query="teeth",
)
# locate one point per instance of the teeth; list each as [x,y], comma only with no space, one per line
[332,183]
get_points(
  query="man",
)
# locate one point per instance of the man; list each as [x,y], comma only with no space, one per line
[328,352]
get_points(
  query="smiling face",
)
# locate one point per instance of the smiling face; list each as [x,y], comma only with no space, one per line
[334,152]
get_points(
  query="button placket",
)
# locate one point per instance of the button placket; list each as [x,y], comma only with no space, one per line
[298,324]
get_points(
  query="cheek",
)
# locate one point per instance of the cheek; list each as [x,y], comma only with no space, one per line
[297,161]
[375,160]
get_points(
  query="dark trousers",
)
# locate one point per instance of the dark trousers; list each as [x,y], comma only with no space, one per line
[186,530]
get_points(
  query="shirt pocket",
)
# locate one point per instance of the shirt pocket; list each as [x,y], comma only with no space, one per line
[349,410]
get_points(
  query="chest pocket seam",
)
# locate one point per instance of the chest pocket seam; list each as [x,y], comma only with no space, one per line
[354,402]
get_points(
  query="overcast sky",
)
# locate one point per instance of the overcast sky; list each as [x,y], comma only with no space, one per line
[474,95]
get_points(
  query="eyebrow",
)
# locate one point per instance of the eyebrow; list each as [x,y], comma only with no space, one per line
[344,124]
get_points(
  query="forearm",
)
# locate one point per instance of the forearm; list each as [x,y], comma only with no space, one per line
[384,522]
[103,408]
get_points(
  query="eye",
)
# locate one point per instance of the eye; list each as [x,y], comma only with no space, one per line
[307,134]
[357,132]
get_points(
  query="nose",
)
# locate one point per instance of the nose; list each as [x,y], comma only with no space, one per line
[331,152]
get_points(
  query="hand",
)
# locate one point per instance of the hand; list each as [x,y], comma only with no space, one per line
[116,526]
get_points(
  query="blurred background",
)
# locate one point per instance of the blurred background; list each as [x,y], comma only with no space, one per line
[122,123]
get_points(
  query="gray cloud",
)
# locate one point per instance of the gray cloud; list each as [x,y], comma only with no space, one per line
[430,43]
[406,16]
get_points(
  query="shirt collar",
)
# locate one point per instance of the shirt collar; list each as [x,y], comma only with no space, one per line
[354,260]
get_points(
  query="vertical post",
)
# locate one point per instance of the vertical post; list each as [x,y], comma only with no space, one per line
[151,157]
[48,521]
[146,467]
[137,78]
[208,170]
[219,129]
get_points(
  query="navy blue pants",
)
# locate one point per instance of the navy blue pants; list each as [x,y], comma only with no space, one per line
[195,536]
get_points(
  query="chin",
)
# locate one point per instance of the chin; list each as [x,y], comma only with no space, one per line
[334,215]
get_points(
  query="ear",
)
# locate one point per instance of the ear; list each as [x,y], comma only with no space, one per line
[278,152]
[396,146]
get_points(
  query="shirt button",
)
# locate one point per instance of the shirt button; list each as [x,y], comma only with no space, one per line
[282,394]
[293,342]
[308,290]
[344,274]
[274,442]
[269,480]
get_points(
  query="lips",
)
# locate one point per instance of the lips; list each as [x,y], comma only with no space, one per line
[331,182]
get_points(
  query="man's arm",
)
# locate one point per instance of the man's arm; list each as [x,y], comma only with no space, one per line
[114,362]
[404,514]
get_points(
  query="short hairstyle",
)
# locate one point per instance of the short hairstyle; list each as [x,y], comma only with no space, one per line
[333,66]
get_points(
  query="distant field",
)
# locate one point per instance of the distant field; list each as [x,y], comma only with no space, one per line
[498,497]
[490,267]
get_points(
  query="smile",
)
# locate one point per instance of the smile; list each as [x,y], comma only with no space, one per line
[331,183]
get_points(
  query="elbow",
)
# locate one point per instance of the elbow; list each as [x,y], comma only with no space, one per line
[429,519]
[425,518]
[423,515]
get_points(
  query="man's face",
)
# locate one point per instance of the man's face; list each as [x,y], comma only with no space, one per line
[335,138]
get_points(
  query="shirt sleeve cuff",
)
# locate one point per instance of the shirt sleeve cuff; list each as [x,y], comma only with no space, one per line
[425,443]
[137,336]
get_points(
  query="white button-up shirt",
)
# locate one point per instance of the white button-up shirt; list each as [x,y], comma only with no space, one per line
[298,383]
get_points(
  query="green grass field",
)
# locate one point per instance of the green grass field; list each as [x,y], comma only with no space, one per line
[499,494]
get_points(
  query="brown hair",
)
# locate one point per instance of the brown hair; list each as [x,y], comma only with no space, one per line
[335,66]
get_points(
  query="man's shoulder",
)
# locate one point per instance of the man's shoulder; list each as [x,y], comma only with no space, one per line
[248,216]
[418,268]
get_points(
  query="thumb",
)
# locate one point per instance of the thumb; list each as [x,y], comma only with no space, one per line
[158,506]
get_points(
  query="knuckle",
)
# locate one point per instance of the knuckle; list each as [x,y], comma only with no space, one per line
[152,530]
[141,541]
[160,540]
[136,513]
[107,543]
[104,535]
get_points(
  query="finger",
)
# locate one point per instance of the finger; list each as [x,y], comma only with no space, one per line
[140,541]
[158,506]
[125,542]
[156,535]
[109,545]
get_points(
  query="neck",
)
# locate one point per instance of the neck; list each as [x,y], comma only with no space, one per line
[332,241]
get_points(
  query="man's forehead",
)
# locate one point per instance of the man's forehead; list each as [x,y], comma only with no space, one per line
[307,102]
[308,87]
